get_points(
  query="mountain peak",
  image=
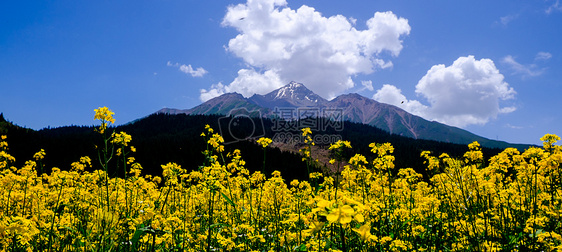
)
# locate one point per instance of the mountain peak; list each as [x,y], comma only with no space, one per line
[295,85]
[352,96]
[351,107]
[293,94]
[292,91]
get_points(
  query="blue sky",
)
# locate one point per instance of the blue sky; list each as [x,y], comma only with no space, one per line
[491,67]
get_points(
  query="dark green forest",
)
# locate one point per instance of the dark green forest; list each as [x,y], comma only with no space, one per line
[163,138]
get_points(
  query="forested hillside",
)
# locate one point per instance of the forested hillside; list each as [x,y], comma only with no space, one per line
[162,138]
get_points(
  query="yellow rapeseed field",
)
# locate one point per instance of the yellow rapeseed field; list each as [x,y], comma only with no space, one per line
[514,203]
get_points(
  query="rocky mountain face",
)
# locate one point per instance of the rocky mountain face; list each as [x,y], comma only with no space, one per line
[222,105]
[352,107]
[357,108]
[291,95]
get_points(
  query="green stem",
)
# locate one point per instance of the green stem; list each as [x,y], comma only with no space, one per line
[263,166]
[55,213]
[209,231]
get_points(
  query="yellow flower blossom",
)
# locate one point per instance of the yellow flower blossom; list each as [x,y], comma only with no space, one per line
[341,215]
[364,232]
[39,155]
[510,203]
[104,115]
[121,138]
[306,131]
[340,144]
[385,240]
[264,141]
[314,228]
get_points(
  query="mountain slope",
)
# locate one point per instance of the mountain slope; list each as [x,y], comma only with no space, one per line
[291,95]
[222,105]
[357,108]
[162,138]
[354,108]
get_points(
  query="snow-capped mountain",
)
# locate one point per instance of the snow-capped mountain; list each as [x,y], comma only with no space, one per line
[291,95]
[354,108]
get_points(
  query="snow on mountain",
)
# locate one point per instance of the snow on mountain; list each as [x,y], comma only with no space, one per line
[291,95]
[354,108]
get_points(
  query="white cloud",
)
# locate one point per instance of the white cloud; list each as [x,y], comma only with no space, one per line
[199,72]
[524,70]
[247,83]
[304,46]
[467,92]
[505,20]
[507,110]
[250,82]
[392,95]
[514,126]
[188,69]
[367,85]
[543,56]
[389,94]
[556,6]
[216,90]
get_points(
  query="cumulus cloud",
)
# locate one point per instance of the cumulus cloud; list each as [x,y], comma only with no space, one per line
[467,92]
[305,46]
[251,82]
[392,95]
[523,70]
[247,83]
[215,90]
[188,69]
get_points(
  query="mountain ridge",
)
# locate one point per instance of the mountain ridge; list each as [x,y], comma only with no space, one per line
[291,95]
[353,107]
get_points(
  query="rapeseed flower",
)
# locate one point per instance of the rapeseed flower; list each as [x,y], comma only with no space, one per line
[264,141]
[39,155]
[341,215]
[104,115]
[314,228]
[510,203]
[121,138]
[340,144]
[364,232]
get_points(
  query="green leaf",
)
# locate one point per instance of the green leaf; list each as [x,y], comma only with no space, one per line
[137,235]
[318,189]
[302,247]
[406,223]
[228,199]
